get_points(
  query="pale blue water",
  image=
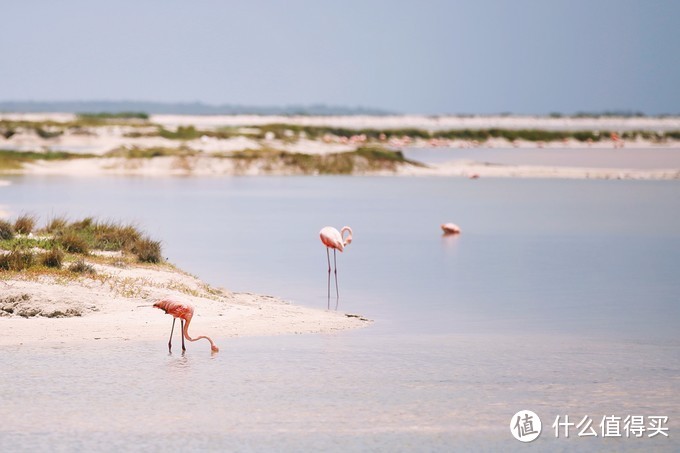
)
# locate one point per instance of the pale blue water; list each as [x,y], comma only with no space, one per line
[560,296]
[628,157]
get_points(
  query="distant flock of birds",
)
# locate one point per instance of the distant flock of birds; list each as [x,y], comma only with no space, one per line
[330,237]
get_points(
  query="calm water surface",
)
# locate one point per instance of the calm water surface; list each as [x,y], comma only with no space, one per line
[560,296]
[634,158]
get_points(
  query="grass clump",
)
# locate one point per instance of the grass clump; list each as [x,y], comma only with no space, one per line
[81,267]
[182,133]
[17,260]
[73,242]
[25,224]
[6,230]
[61,241]
[112,237]
[52,258]
[147,250]
[56,224]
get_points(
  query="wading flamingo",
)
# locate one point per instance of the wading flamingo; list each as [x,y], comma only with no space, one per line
[184,312]
[450,228]
[333,239]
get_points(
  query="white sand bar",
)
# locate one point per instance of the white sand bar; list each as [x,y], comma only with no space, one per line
[116,305]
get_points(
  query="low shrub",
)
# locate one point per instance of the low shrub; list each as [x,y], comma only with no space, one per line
[81,267]
[17,260]
[56,225]
[147,250]
[52,258]
[72,242]
[24,224]
[6,230]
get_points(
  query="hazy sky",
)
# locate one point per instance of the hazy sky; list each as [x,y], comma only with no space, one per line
[423,56]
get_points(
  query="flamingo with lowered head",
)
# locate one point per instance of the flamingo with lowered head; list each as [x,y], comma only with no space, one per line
[450,228]
[184,312]
[334,239]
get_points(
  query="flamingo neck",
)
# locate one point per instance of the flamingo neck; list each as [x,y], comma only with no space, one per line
[349,235]
[213,347]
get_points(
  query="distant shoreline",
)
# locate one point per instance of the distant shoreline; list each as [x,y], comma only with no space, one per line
[176,145]
[394,121]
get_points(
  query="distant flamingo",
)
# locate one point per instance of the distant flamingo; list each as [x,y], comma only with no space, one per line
[184,312]
[333,239]
[450,228]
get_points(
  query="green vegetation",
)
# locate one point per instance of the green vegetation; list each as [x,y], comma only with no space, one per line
[147,250]
[85,123]
[147,153]
[50,129]
[191,133]
[53,258]
[113,116]
[17,260]
[290,131]
[81,267]
[73,242]
[14,160]
[24,224]
[6,230]
[370,158]
[361,160]
[61,241]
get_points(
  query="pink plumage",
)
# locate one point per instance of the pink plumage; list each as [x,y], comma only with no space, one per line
[450,228]
[184,312]
[334,239]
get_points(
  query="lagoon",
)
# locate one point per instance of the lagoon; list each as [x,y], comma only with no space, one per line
[560,296]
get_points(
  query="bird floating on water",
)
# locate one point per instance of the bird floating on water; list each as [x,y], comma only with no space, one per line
[184,312]
[334,239]
[450,228]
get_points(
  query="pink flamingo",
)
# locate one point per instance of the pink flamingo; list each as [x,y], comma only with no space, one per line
[334,239]
[184,312]
[450,228]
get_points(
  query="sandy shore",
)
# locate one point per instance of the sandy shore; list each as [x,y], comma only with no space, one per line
[116,305]
[210,166]
[394,121]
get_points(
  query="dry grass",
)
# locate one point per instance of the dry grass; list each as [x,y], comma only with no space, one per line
[52,258]
[147,250]
[17,260]
[73,242]
[25,224]
[6,230]
[81,267]
[63,241]
[56,224]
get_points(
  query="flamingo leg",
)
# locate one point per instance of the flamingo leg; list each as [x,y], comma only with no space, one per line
[328,256]
[182,324]
[171,330]
[337,290]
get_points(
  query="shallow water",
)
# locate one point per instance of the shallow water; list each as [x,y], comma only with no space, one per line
[628,158]
[560,297]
